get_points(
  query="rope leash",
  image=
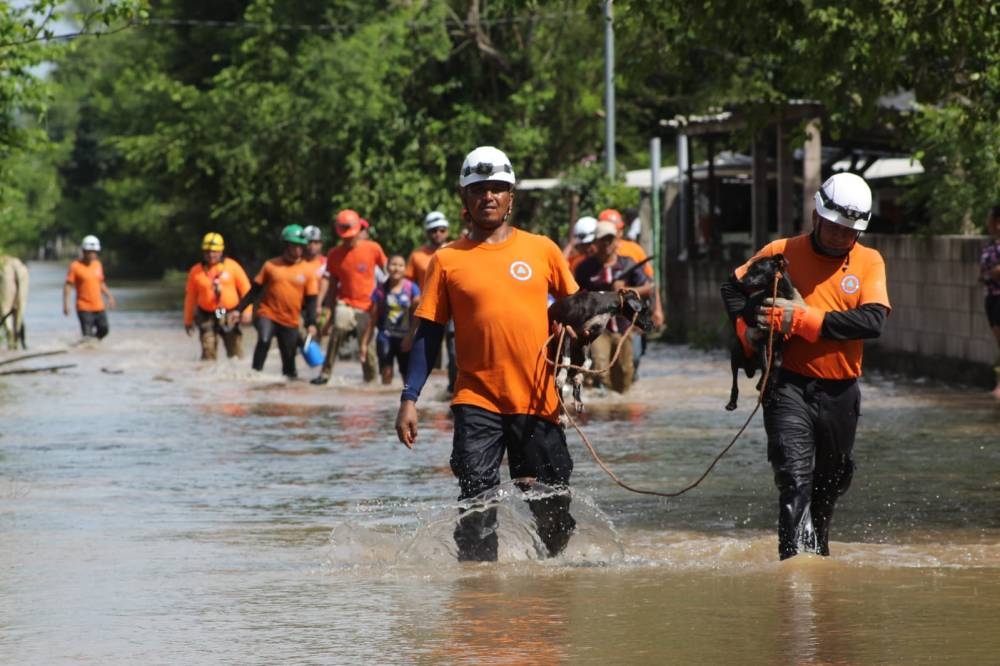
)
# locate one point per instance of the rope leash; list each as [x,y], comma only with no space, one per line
[614,477]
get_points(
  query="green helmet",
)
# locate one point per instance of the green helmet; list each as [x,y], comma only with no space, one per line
[293,234]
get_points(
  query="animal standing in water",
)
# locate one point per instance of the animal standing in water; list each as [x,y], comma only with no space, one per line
[13,300]
[756,285]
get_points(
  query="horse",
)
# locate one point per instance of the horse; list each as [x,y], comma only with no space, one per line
[13,300]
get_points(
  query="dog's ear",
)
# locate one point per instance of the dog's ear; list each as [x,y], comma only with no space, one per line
[633,302]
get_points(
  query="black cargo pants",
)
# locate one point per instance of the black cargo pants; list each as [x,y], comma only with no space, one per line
[535,448]
[810,426]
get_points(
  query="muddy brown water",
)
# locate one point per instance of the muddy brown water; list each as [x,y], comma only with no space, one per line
[157,510]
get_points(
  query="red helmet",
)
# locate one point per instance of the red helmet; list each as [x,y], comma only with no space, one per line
[348,223]
[612,215]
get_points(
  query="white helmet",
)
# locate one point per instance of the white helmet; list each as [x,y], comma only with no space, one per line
[486,163]
[435,219]
[312,233]
[845,199]
[583,230]
[90,243]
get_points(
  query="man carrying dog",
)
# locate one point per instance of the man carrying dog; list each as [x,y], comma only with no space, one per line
[495,284]
[606,270]
[811,412]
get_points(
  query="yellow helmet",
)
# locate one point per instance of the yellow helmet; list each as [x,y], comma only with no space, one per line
[212,242]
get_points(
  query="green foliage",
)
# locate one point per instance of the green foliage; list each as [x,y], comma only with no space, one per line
[245,116]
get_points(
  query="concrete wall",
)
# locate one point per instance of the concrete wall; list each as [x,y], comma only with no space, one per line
[937,326]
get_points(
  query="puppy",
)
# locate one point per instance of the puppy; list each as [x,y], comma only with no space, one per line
[585,315]
[758,284]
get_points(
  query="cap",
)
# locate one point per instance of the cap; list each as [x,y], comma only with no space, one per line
[348,223]
[605,229]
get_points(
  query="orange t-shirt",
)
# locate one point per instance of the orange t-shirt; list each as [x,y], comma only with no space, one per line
[416,265]
[354,270]
[221,286]
[318,265]
[286,287]
[87,279]
[498,296]
[833,284]
[634,251]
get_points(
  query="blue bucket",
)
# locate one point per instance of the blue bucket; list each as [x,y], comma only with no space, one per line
[312,352]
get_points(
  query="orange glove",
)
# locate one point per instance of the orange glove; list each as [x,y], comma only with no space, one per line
[791,317]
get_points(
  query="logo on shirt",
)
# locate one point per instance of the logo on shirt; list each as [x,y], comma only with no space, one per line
[520,270]
[850,284]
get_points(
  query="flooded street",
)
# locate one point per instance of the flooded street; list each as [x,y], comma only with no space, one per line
[158,510]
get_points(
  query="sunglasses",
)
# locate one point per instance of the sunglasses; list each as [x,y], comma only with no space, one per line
[438,230]
[486,169]
[850,212]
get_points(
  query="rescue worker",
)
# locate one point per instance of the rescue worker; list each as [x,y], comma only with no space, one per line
[606,270]
[631,249]
[86,275]
[436,231]
[811,413]
[581,245]
[351,279]
[215,285]
[495,284]
[314,257]
[285,290]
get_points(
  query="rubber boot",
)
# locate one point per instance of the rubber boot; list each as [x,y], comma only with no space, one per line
[554,523]
[476,536]
[795,525]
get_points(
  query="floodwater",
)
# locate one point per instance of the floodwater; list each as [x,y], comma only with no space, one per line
[157,510]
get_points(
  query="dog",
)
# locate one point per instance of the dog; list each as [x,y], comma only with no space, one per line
[584,316]
[758,284]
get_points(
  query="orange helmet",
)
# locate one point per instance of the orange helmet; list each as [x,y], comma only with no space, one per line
[348,223]
[612,215]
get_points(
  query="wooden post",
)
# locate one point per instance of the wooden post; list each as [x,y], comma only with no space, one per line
[786,185]
[812,171]
[758,226]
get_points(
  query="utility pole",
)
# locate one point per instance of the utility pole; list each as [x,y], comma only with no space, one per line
[609,87]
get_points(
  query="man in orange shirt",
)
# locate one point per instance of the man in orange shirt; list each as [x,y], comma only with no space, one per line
[350,276]
[214,286]
[286,289]
[436,230]
[315,259]
[811,412]
[632,250]
[87,276]
[495,283]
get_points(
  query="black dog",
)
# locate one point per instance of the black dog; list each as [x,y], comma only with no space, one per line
[758,284]
[586,315]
